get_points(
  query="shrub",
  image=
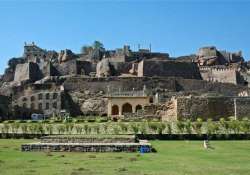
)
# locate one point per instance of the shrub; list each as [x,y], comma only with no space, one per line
[79,129]
[105,128]
[143,128]
[135,128]
[161,127]
[69,127]
[153,126]
[5,128]
[180,126]
[116,129]
[61,128]
[224,126]
[188,126]
[14,127]
[212,127]
[86,128]
[49,128]
[96,129]
[24,128]
[245,126]
[123,126]
[169,128]
[197,125]
[234,126]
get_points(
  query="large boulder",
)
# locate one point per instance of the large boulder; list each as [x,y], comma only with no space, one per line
[103,68]
[94,106]
[65,55]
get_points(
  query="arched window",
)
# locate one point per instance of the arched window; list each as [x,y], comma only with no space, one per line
[32,106]
[32,98]
[151,100]
[24,105]
[138,108]
[126,108]
[115,110]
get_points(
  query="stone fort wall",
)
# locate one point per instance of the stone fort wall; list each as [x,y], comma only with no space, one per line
[187,70]
[223,75]
[212,107]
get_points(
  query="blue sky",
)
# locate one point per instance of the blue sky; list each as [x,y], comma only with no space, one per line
[177,27]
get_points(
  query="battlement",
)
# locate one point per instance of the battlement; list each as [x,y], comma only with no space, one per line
[217,68]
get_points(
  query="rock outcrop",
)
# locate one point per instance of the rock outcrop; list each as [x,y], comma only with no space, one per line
[65,55]
[210,56]
[103,68]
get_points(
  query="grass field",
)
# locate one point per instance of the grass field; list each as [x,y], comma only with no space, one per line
[172,158]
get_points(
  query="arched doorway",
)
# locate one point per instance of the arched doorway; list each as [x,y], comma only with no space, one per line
[138,108]
[126,108]
[115,110]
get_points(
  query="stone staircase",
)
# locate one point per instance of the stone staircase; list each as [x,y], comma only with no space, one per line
[88,143]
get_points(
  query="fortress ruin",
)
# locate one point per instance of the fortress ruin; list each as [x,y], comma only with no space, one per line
[123,83]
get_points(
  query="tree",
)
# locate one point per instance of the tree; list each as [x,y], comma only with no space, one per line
[86,49]
[97,45]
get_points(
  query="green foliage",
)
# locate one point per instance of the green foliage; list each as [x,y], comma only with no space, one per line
[123,126]
[135,128]
[24,128]
[234,126]
[49,128]
[153,126]
[161,127]
[245,126]
[97,45]
[197,126]
[169,128]
[116,129]
[61,128]
[224,125]
[180,126]
[86,128]
[143,128]
[188,126]
[69,127]
[212,127]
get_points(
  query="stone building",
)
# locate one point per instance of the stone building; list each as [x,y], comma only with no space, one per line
[125,103]
[41,100]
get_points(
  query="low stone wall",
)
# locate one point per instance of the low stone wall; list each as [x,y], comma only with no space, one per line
[95,147]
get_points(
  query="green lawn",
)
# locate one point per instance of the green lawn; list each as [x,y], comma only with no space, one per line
[172,158]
